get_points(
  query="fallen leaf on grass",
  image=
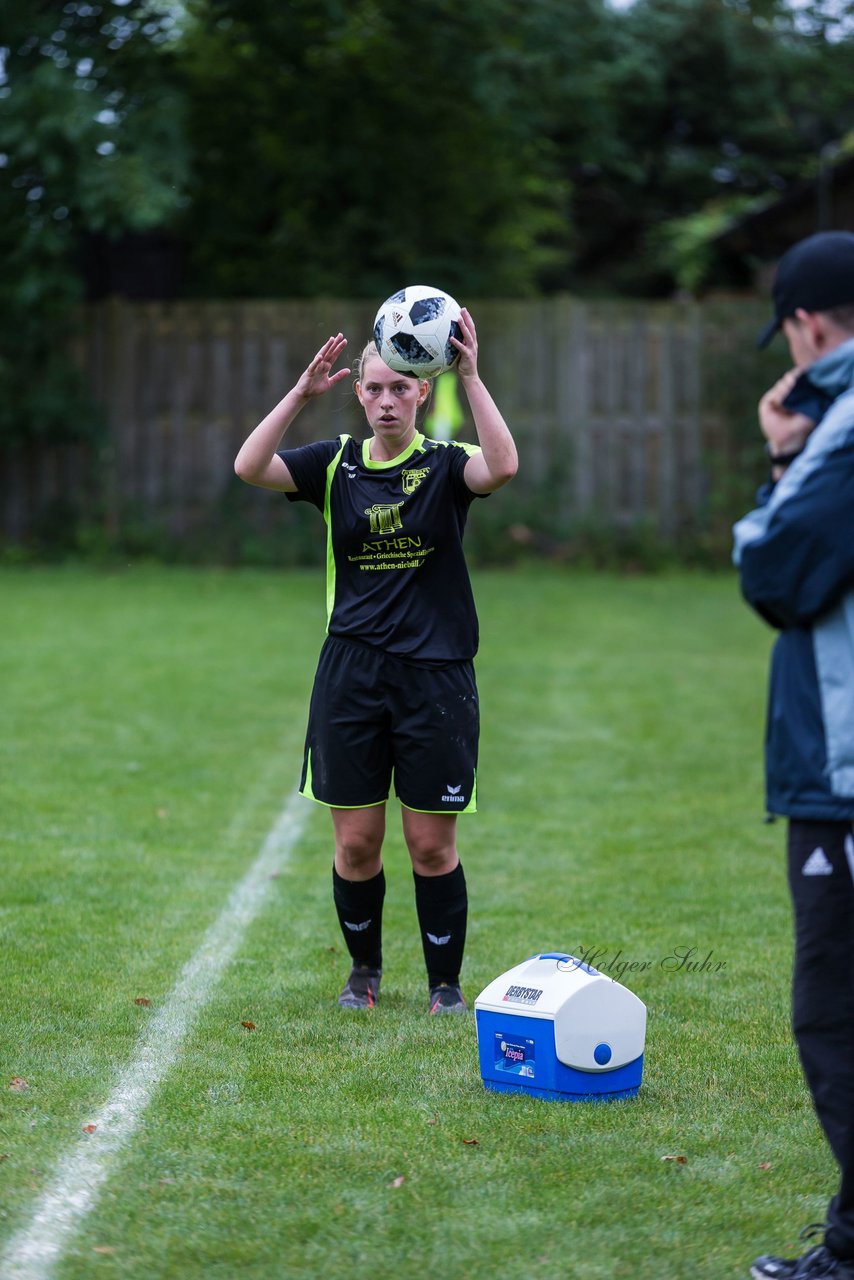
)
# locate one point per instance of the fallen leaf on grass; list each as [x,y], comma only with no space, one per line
[399,1181]
[433,1120]
[143,1000]
[250,1026]
[471,1142]
[18,1084]
[4,1155]
[103,1248]
[89,1128]
[676,1159]
[766,1164]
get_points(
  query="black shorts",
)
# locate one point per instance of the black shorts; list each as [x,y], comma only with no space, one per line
[374,716]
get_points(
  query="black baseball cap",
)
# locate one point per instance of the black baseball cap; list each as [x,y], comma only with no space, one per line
[815,274]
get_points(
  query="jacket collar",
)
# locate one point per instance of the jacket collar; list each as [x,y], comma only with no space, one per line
[834,373]
[821,384]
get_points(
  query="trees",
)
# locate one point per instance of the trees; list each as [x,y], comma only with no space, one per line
[496,148]
[302,147]
[348,148]
[90,140]
[716,102]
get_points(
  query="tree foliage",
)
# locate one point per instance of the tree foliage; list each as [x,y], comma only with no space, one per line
[716,101]
[343,148]
[305,147]
[91,139]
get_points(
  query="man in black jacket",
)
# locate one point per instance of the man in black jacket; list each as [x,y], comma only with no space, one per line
[795,555]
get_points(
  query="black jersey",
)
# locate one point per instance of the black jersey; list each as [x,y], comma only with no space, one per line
[396,573]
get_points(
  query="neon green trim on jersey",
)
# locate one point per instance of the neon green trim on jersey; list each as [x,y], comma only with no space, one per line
[470,449]
[327,515]
[417,443]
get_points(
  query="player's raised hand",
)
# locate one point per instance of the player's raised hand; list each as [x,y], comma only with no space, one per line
[466,344]
[318,377]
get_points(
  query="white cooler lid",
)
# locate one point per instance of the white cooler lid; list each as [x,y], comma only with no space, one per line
[598,1023]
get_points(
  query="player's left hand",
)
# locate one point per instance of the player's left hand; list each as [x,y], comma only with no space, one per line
[466,344]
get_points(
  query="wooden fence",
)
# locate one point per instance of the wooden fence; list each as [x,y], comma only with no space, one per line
[625,413]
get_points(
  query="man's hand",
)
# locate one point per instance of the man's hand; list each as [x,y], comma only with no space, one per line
[784,430]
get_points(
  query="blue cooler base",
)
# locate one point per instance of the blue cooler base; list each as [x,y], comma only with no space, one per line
[517,1055]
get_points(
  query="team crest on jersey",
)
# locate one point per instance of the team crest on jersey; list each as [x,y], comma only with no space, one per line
[412,478]
[384,517]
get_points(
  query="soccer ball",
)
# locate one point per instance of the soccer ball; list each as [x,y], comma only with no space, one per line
[413,331]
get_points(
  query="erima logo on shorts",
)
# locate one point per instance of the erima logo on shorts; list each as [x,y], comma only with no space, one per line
[452,794]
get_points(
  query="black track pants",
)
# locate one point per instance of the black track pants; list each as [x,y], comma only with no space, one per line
[821,879]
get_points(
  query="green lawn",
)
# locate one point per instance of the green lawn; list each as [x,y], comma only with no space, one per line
[152,727]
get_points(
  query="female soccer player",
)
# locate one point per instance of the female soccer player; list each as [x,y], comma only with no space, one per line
[395,693]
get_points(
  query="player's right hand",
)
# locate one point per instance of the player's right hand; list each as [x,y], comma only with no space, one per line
[318,377]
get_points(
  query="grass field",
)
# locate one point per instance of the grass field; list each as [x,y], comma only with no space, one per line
[152,725]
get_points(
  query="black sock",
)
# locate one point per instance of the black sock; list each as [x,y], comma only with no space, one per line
[442,906]
[359,904]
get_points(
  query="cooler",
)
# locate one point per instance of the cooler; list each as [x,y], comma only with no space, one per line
[556,1028]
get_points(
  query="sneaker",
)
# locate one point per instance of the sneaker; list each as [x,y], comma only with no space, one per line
[447,998]
[769,1267]
[815,1264]
[362,989]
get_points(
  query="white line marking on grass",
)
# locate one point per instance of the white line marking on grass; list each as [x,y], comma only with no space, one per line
[36,1248]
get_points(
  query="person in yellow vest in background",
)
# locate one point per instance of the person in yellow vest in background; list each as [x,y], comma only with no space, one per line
[446,417]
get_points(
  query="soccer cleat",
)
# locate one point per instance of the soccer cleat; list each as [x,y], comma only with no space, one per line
[816,1264]
[447,998]
[362,989]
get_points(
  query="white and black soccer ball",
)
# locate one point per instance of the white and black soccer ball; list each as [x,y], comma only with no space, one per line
[413,330]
